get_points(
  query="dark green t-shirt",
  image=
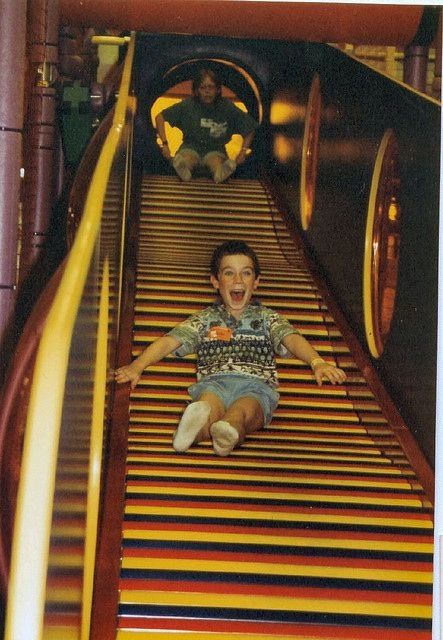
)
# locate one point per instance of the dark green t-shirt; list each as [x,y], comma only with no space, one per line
[208,127]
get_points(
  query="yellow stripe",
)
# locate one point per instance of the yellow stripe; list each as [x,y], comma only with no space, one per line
[293,466]
[278,569]
[147,288]
[264,495]
[233,207]
[290,445]
[307,403]
[245,452]
[195,196]
[301,453]
[185,535]
[227,514]
[277,603]
[184,311]
[301,415]
[299,277]
[293,439]
[250,477]
[55,632]
[209,299]
[64,595]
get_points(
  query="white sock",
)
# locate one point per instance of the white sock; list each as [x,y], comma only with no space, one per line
[192,422]
[182,169]
[224,171]
[224,437]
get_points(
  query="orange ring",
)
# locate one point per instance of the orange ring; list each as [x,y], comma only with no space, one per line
[308,174]
[382,241]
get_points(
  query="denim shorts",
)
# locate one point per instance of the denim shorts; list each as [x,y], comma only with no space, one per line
[229,387]
[202,160]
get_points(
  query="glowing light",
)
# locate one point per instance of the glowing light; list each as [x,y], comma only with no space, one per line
[285,112]
[286,149]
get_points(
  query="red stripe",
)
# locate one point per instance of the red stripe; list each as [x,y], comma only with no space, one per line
[326,632]
[257,490]
[275,590]
[219,506]
[293,561]
[264,474]
[290,533]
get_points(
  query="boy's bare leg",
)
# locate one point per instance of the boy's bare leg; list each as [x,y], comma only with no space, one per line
[219,166]
[213,162]
[244,416]
[184,163]
[194,424]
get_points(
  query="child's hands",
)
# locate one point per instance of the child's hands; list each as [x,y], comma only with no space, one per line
[128,373]
[330,372]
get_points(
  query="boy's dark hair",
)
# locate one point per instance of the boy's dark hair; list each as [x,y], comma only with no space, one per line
[201,75]
[233,248]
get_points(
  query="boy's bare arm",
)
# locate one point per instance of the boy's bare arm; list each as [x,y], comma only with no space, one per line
[247,141]
[160,126]
[156,351]
[300,348]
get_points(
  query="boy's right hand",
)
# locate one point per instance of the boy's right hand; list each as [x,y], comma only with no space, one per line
[128,373]
[166,153]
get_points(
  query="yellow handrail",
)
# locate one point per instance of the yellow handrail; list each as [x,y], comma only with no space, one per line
[30,551]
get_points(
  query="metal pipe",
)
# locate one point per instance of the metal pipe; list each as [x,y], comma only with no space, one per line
[416,66]
[40,139]
[12,54]
[314,21]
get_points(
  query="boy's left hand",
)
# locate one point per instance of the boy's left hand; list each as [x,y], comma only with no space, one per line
[330,372]
[241,157]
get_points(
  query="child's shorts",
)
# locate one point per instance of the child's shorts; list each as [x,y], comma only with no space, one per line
[202,160]
[229,387]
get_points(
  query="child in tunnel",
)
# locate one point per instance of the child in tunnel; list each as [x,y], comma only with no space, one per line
[235,340]
[208,121]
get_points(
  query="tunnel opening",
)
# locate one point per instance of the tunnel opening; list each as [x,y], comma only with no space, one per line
[164,76]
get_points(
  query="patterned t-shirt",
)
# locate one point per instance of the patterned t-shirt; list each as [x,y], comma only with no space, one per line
[226,345]
[208,127]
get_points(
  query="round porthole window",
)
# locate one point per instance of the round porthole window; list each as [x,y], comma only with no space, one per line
[310,153]
[382,245]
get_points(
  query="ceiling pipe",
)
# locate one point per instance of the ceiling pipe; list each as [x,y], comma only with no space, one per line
[310,21]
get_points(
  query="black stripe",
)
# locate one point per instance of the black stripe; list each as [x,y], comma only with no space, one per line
[278,550]
[202,613]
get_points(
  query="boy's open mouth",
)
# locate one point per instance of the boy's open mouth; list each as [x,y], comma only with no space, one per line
[237,295]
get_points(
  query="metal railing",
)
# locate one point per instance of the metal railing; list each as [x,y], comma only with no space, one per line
[55,530]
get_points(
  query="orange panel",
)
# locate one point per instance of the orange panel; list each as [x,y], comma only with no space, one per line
[317,22]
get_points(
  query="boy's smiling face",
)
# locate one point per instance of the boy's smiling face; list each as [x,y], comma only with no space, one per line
[236,282]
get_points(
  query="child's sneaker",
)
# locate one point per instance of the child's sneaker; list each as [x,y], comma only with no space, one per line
[182,169]
[224,171]
[193,420]
[224,437]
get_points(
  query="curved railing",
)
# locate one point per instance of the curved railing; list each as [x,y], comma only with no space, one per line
[14,405]
[55,529]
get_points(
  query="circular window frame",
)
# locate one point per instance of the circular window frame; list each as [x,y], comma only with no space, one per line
[309,161]
[382,243]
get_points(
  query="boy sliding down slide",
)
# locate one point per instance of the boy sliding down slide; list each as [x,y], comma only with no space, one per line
[208,121]
[235,340]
